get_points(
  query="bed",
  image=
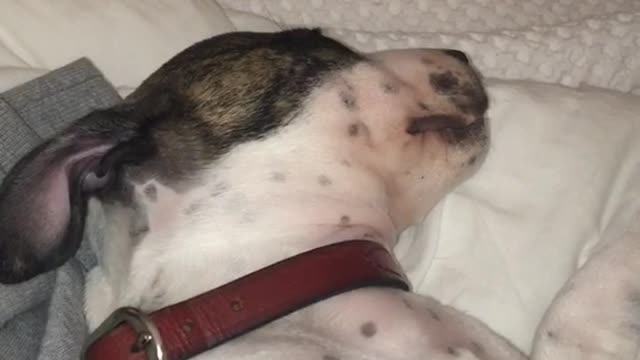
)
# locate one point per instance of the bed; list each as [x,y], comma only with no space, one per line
[562,173]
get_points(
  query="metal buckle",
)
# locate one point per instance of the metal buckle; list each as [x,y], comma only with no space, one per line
[148,335]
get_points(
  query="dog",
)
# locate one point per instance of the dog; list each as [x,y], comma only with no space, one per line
[247,149]
[595,315]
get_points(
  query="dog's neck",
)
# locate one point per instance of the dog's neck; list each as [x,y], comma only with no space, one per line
[172,243]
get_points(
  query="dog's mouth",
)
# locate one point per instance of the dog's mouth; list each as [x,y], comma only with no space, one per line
[453,129]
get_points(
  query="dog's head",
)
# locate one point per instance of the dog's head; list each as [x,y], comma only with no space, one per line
[412,119]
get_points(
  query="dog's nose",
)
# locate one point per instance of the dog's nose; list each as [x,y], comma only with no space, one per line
[458,55]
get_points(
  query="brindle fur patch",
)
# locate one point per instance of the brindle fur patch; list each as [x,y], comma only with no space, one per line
[453,351]
[230,89]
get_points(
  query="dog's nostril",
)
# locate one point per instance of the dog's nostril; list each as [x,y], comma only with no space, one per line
[422,124]
[458,55]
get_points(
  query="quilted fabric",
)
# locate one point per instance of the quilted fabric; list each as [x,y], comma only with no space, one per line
[571,42]
[451,16]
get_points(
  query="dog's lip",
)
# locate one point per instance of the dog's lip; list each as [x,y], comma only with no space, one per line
[436,123]
[475,130]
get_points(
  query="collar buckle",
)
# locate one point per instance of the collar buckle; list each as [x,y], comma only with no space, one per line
[147,335]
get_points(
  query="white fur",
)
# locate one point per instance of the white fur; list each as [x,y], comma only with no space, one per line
[269,199]
[596,315]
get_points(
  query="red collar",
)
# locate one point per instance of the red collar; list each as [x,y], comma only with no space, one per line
[188,328]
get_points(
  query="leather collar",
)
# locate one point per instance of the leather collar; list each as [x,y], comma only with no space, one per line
[188,328]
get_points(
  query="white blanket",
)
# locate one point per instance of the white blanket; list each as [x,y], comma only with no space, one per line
[571,42]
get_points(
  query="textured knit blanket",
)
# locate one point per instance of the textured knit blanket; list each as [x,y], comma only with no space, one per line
[43,318]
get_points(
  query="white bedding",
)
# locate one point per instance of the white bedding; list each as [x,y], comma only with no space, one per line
[571,42]
[562,160]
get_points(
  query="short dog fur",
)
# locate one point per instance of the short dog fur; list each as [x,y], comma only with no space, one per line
[243,150]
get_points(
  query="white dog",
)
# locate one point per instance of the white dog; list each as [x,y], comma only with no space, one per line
[242,151]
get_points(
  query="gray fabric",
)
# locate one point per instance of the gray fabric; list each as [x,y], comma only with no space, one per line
[43,319]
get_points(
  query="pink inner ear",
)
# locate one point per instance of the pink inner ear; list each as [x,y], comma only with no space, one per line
[52,196]
[55,199]
[43,200]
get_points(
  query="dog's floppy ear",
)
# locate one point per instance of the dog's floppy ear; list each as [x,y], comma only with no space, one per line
[43,199]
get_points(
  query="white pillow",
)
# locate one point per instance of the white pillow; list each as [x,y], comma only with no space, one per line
[444,16]
[126,40]
[572,42]
[245,21]
[562,162]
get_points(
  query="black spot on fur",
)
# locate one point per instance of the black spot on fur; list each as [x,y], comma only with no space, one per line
[444,83]
[433,315]
[151,192]
[389,88]
[368,329]
[324,180]
[278,177]
[348,100]
[477,349]
[453,352]
[472,160]
[353,130]
[345,220]
[407,304]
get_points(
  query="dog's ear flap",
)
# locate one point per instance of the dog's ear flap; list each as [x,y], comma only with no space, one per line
[43,199]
